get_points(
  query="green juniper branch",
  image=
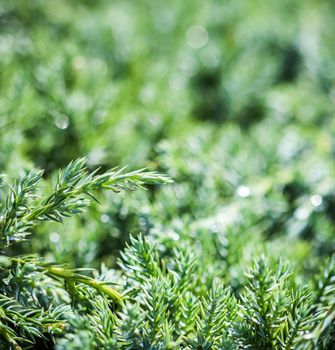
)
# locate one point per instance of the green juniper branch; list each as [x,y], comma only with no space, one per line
[73,190]
[29,277]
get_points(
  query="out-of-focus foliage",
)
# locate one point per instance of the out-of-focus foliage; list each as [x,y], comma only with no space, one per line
[235,101]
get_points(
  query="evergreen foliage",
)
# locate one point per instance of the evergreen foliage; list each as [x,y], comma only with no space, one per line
[36,295]
[234,101]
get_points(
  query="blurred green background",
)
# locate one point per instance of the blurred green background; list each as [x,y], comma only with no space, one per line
[233,99]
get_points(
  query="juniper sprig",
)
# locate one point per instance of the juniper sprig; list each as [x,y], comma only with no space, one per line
[73,191]
[35,295]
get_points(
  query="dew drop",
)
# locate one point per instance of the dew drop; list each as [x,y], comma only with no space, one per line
[316,200]
[104,218]
[243,191]
[196,36]
[54,237]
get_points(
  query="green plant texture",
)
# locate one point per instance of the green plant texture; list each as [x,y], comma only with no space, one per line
[224,236]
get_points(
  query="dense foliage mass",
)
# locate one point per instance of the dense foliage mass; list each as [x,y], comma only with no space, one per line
[234,101]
